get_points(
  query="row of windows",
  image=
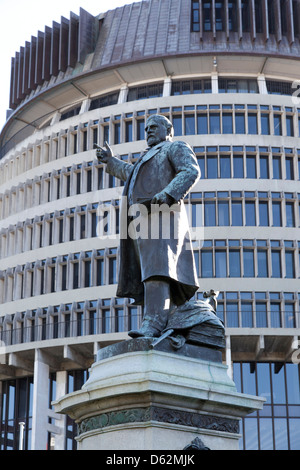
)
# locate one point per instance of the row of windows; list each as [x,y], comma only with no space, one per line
[237,119]
[248,162]
[89,317]
[68,182]
[207,209]
[226,258]
[186,87]
[214,162]
[235,258]
[128,127]
[61,273]
[259,309]
[244,208]
[277,425]
[58,227]
[215,16]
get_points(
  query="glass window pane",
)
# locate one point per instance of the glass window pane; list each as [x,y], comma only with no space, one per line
[248,258]
[212,167]
[262,264]
[209,213]
[232,315]
[277,168]
[263,214]
[294,427]
[289,264]
[239,123]
[293,389]
[289,315]
[276,263]
[275,315]
[252,123]
[221,263]
[248,379]
[128,131]
[223,213]
[225,167]
[276,210]
[214,123]
[265,126]
[247,318]
[289,168]
[177,124]
[289,209]
[202,124]
[250,213]
[280,431]
[206,263]
[237,216]
[261,314]
[238,167]
[251,166]
[264,167]
[227,123]
[266,434]
[251,434]
[189,123]
[278,384]
[264,380]
[277,124]
[234,263]
[289,126]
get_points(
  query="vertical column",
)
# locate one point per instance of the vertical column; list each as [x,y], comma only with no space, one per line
[214,82]
[123,94]
[61,388]
[40,402]
[262,86]
[167,87]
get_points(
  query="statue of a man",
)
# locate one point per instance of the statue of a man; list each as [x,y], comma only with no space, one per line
[156,272]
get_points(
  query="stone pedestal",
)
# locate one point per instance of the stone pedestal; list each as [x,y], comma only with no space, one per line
[139,398]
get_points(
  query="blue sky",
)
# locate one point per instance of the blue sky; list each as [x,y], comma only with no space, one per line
[21,19]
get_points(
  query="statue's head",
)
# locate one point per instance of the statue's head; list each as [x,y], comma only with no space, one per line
[158,128]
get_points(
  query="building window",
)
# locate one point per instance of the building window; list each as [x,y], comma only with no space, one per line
[276,426]
[279,88]
[195,20]
[15,407]
[145,91]
[105,100]
[228,85]
[187,87]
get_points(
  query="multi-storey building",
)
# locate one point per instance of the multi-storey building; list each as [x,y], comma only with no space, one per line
[225,73]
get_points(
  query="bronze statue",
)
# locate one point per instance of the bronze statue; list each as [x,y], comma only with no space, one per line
[156,271]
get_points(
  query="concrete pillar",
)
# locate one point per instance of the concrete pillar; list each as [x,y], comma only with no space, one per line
[40,402]
[214,83]
[123,94]
[262,86]
[167,87]
[61,390]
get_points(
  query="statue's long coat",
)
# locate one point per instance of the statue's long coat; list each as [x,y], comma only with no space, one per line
[172,167]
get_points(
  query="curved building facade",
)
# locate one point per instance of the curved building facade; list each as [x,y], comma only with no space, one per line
[226,74]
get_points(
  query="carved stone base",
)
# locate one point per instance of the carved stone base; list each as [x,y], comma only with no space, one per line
[138,398]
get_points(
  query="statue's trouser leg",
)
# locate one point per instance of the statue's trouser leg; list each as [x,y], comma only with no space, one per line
[157,304]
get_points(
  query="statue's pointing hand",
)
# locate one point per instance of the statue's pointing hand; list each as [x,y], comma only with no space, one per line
[103,153]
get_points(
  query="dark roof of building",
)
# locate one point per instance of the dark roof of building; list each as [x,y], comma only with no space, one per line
[143,31]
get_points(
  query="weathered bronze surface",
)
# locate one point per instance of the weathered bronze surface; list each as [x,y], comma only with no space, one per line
[157,271]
